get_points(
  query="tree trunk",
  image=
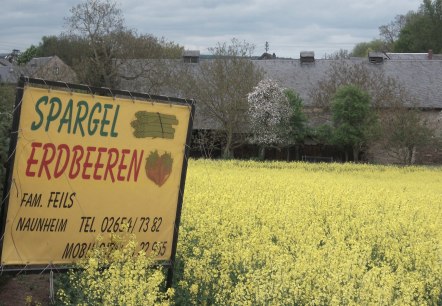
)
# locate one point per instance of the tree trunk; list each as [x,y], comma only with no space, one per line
[288,154]
[346,155]
[411,152]
[228,152]
[355,155]
[262,152]
[297,152]
[413,155]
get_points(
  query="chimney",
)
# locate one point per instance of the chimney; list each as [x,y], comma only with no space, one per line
[191,56]
[430,54]
[307,57]
[376,57]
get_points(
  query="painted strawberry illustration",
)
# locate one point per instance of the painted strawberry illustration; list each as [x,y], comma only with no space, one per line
[158,168]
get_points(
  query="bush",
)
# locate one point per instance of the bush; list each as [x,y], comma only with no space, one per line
[115,276]
[6,107]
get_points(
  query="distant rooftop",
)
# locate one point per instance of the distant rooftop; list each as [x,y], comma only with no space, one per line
[191,53]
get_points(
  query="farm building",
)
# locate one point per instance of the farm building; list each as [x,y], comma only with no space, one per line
[417,74]
[50,67]
[420,75]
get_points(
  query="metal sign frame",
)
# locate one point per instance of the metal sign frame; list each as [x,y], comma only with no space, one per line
[106,92]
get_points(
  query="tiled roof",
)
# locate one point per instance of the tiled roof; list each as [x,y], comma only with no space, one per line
[36,63]
[407,56]
[4,62]
[8,74]
[191,53]
[423,78]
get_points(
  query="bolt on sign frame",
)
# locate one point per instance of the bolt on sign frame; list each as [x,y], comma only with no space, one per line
[87,162]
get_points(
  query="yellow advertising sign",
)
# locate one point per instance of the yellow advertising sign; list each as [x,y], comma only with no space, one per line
[84,166]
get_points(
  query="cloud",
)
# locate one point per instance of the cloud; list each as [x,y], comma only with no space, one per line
[289,26]
[25,22]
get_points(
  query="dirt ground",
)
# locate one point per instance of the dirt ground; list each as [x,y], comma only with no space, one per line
[31,289]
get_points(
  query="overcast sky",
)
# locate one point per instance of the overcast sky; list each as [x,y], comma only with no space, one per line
[290,26]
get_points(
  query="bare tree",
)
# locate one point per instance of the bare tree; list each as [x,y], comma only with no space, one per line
[341,54]
[390,32]
[101,23]
[381,88]
[112,47]
[147,65]
[220,87]
[405,130]
[207,142]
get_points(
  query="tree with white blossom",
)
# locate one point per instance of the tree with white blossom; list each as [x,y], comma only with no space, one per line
[269,114]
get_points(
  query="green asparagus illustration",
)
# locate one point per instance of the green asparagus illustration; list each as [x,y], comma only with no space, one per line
[155,125]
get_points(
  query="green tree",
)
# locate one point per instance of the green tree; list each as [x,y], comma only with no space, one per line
[354,120]
[141,64]
[362,49]
[221,86]
[416,31]
[422,29]
[70,49]
[27,55]
[411,40]
[297,121]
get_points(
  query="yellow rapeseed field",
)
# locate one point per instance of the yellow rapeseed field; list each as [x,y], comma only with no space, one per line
[274,233]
